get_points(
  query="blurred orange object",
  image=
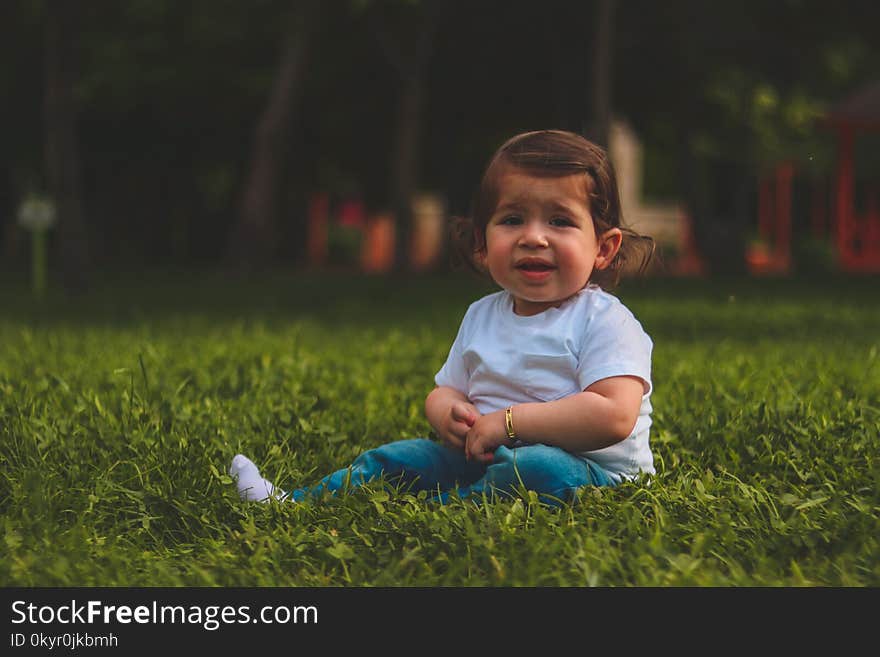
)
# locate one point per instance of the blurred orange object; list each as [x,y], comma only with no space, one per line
[377,255]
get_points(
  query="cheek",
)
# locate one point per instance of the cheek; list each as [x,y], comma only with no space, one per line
[491,259]
[494,246]
[495,258]
[581,257]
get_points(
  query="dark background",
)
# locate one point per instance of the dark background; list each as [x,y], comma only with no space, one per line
[155,104]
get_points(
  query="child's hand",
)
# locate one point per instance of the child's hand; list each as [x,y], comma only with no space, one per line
[460,419]
[486,435]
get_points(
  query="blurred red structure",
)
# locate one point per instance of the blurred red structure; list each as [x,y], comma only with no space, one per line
[856,235]
[351,213]
[771,254]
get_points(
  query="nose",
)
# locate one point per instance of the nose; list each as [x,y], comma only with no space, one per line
[533,235]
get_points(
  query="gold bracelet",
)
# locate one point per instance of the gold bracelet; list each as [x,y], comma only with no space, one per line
[508,423]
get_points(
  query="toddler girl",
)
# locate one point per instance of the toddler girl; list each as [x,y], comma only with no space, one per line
[548,382]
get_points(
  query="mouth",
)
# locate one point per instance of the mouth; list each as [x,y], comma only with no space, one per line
[534,265]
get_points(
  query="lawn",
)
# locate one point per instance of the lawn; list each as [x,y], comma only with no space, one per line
[120,411]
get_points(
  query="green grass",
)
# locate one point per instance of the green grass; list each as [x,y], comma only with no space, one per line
[120,411]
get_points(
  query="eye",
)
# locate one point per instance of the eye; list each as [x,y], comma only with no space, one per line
[561,221]
[511,220]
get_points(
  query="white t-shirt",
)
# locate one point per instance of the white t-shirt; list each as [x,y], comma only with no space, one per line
[500,358]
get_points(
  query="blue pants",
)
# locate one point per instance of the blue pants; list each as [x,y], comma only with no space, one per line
[422,464]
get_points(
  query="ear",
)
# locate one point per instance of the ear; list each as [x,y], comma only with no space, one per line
[609,245]
[482,252]
[480,258]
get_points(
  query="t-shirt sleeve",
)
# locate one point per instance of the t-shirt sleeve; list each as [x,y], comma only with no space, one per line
[615,345]
[454,373]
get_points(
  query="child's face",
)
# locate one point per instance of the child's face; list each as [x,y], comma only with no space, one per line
[541,245]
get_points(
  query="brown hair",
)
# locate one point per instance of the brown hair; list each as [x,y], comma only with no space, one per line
[555,153]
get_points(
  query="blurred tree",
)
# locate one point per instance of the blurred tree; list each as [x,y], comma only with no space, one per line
[62,142]
[169,93]
[406,33]
[600,89]
[22,125]
[254,235]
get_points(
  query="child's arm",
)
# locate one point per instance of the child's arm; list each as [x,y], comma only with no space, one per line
[600,416]
[451,414]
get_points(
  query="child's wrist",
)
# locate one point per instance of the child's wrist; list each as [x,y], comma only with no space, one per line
[508,425]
